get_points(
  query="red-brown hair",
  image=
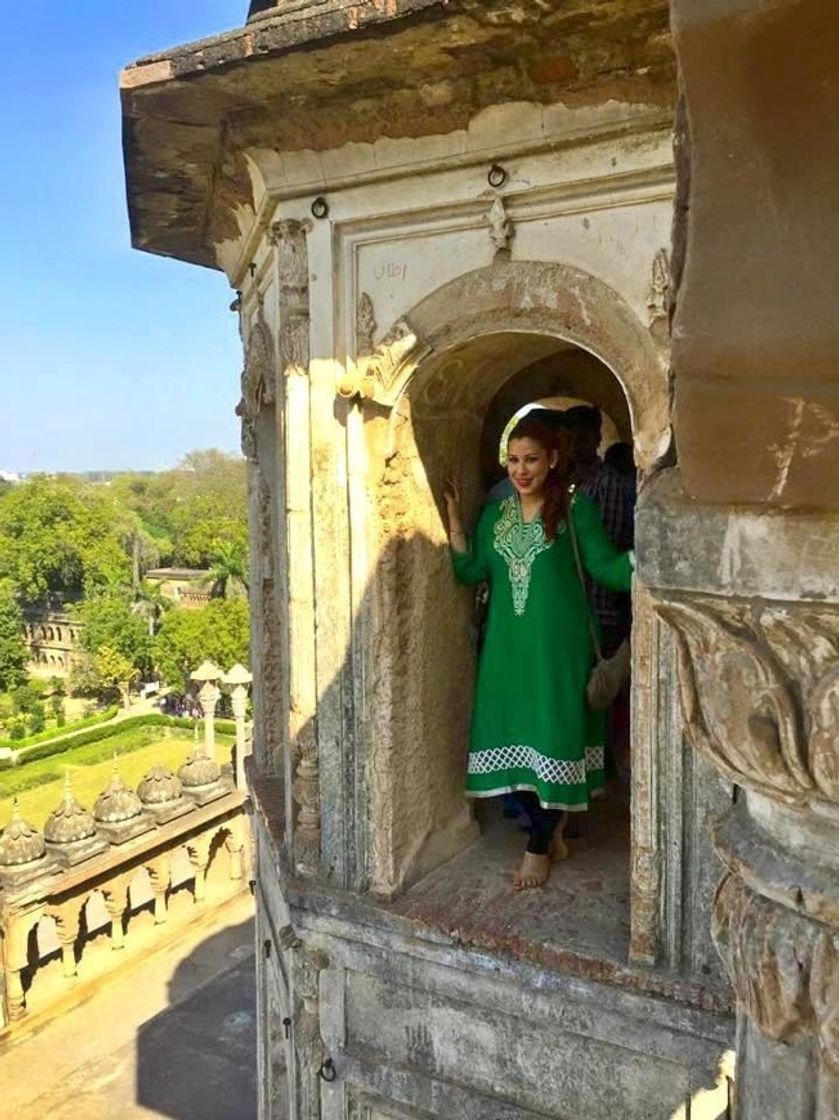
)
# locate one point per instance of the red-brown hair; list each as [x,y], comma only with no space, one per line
[551,439]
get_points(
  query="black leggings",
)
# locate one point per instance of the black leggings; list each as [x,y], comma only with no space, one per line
[543,822]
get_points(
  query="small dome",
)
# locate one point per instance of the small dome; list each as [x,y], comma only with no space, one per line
[20,843]
[116,803]
[199,770]
[69,821]
[159,787]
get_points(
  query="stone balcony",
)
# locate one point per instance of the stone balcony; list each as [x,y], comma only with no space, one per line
[101,887]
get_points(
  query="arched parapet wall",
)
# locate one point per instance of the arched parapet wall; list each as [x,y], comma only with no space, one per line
[557,301]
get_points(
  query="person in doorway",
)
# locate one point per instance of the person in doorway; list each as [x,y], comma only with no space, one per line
[610,484]
[531,729]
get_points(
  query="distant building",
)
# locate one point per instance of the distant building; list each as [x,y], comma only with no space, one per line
[187,587]
[54,642]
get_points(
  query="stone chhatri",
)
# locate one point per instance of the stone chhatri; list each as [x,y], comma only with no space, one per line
[159,787]
[198,770]
[20,843]
[69,822]
[116,803]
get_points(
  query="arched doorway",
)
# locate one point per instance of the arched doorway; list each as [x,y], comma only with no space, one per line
[481,347]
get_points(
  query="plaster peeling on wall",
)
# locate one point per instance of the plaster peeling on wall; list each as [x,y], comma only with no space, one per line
[785,453]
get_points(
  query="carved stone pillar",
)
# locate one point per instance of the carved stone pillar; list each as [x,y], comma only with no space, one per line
[15,997]
[236,850]
[290,240]
[159,876]
[209,695]
[115,904]
[753,601]
[306,965]
[199,857]
[67,929]
[16,934]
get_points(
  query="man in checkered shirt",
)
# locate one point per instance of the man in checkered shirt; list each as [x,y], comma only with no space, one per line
[614,496]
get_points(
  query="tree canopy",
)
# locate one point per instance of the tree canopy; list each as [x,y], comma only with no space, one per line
[67,537]
[219,632]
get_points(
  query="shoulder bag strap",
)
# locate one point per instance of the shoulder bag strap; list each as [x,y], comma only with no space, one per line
[569,517]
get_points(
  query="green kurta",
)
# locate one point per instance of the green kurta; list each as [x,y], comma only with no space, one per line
[531,726]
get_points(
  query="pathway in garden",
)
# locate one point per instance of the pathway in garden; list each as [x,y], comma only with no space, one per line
[172,1036]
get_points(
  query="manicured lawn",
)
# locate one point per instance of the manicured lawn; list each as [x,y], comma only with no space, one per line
[90,773]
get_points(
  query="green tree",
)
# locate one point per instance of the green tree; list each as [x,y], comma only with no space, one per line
[228,575]
[220,631]
[116,670]
[59,537]
[110,621]
[13,652]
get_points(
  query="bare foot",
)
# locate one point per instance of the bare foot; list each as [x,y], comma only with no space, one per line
[558,849]
[533,872]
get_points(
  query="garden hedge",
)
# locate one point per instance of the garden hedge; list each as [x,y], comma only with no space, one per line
[59,732]
[107,731]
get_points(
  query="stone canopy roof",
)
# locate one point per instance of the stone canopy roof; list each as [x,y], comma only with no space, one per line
[317,74]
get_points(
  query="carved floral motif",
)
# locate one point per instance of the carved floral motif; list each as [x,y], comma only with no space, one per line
[365,326]
[258,382]
[783,967]
[500,227]
[658,295]
[760,693]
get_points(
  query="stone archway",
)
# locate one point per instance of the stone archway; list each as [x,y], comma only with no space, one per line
[554,301]
[433,378]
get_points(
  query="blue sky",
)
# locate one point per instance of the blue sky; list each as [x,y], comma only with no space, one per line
[109,357]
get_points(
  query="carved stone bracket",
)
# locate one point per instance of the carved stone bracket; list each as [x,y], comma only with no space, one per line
[289,239]
[305,966]
[500,228]
[382,376]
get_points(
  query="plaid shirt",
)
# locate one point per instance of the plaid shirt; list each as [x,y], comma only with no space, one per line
[614,496]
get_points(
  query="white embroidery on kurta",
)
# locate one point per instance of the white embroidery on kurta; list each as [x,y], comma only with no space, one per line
[518,543]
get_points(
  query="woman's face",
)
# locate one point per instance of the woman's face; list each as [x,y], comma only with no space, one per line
[528,464]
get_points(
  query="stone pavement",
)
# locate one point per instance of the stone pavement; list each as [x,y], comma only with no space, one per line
[173,1036]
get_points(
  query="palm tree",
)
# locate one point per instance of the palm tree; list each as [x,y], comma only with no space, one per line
[228,575]
[149,604]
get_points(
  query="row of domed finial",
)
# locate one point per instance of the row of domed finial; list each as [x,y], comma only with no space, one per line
[70,822]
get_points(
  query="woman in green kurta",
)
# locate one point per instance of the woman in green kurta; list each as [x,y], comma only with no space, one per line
[531,727]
